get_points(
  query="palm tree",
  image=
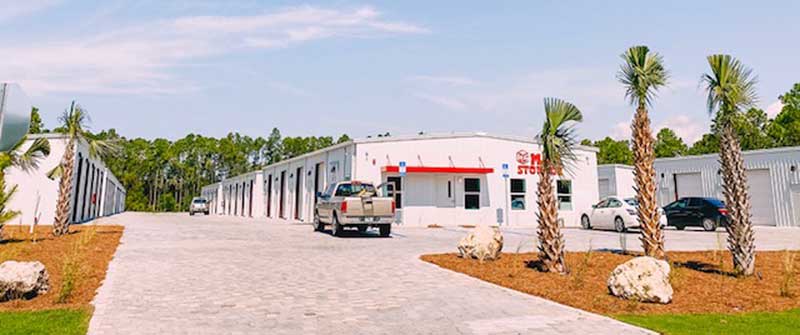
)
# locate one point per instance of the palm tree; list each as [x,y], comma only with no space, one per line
[731,89]
[558,142]
[643,73]
[74,125]
[25,160]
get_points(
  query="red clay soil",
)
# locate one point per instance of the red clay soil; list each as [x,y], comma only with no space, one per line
[700,284]
[92,246]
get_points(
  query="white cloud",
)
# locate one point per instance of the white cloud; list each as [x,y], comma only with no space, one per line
[690,130]
[774,109]
[445,80]
[590,89]
[621,131]
[11,9]
[443,101]
[141,59]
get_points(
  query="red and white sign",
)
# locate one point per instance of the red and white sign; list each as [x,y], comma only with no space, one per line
[528,163]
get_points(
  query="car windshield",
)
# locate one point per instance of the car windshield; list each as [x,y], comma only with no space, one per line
[715,202]
[199,201]
[632,202]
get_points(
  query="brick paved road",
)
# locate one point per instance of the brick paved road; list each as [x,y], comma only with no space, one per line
[211,275]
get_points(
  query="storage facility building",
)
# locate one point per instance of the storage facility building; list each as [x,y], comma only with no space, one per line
[616,180]
[772,177]
[96,192]
[451,179]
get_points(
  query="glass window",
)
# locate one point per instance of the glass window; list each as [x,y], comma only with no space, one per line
[397,190]
[564,193]
[518,202]
[517,185]
[349,189]
[472,195]
[632,201]
[602,204]
[472,201]
[695,202]
[614,203]
[517,194]
[472,185]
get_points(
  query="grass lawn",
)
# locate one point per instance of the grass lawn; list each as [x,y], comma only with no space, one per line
[57,321]
[787,322]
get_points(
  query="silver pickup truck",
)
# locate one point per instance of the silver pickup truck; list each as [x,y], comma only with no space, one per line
[353,204]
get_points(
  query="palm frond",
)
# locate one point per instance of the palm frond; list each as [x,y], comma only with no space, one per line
[730,85]
[102,148]
[29,159]
[56,172]
[643,73]
[557,137]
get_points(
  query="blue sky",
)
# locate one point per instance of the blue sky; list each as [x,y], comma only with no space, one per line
[154,68]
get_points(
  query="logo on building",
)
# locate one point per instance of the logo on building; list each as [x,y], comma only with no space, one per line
[522,157]
[528,163]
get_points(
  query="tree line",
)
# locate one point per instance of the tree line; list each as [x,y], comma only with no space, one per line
[161,175]
[755,129]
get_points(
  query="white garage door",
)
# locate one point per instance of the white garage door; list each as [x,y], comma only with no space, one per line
[761,197]
[605,187]
[688,185]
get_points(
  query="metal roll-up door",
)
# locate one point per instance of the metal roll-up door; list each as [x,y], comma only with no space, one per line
[760,190]
[688,185]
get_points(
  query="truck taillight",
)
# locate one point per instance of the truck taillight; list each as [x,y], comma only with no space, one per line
[723,211]
[343,209]
[394,207]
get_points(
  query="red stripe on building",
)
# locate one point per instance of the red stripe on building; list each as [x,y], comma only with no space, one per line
[438,169]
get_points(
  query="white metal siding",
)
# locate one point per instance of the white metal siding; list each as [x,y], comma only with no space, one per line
[783,165]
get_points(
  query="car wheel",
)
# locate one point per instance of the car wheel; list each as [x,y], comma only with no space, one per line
[336,228]
[619,225]
[362,229]
[191,213]
[386,230]
[585,224]
[318,226]
[709,225]
[680,227]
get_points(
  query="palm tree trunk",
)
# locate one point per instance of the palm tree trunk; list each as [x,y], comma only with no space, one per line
[644,173]
[741,241]
[551,241]
[61,224]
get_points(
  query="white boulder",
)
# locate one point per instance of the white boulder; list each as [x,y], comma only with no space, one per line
[644,279]
[20,280]
[482,243]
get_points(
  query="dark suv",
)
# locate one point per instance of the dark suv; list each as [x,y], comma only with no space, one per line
[708,213]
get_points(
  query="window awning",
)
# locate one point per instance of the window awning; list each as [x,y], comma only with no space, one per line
[438,169]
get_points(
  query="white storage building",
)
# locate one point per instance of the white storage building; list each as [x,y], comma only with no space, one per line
[615,179]
[96,191]
[451,179]
[772,176]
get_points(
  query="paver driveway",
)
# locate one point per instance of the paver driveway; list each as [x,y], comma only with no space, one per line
[174,274]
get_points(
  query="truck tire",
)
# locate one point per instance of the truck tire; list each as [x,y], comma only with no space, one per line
[386,230]
[318,226]
[336,228]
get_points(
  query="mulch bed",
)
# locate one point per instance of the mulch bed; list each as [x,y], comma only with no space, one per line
[702,281]
[91,246]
